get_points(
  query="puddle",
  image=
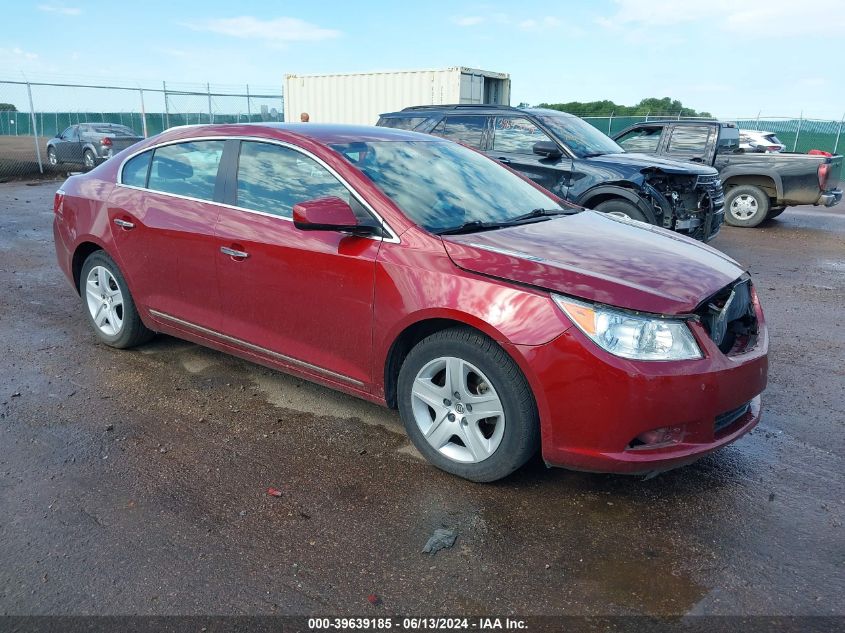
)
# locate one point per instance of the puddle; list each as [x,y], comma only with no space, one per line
[293,393]
[646,584]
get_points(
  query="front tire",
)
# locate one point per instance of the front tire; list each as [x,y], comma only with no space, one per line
[466,405]
[108,304]
[623,209]
[746,206]
[51,157]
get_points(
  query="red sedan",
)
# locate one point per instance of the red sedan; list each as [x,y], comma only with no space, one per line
[416,273]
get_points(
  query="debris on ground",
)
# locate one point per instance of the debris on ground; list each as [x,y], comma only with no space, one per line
[274,492]
[441,539]
[374,600]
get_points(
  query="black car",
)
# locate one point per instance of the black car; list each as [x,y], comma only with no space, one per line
[90,143]
[575,161]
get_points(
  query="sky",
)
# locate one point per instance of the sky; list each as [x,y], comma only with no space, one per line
[733,58]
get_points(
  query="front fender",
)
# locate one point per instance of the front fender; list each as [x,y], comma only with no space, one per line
[616,191]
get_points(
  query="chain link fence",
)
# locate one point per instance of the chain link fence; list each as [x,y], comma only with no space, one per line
[31,113]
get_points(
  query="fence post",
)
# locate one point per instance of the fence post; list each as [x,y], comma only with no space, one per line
[248,109]
[798,132]
[838,133]
[166,110]
[34,128]
[610,124]
[210,113]
[757,121]
[143,114]
[646,116]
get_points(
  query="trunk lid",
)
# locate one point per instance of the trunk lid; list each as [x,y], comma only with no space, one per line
[600,258]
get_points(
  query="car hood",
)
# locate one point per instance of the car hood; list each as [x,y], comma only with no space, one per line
[646,161]
[601,258]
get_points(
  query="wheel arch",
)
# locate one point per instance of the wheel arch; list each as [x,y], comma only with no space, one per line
[415,332]
[82,252]
[603,193]
[770,182]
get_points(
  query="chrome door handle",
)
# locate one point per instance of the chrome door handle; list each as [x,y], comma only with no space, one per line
[233,253]
[124,224]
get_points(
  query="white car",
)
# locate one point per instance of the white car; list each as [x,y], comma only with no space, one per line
[760,141]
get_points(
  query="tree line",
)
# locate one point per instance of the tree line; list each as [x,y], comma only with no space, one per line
[651,105]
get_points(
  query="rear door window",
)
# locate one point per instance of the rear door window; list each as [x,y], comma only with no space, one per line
[187,169]
[644,139]
[468,130]
[689,140]
[516,135]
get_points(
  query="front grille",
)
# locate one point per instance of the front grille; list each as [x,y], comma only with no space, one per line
[724,420]
[729,318]
[712,203]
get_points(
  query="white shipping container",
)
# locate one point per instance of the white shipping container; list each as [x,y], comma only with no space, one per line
[361,98]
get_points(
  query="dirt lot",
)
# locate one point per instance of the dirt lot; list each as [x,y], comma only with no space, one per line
[135,482]
[18,160]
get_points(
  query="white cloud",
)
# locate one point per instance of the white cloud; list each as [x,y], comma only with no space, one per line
[51,8]
[468,20]
[277,30]
[749,18]
[20,53]
[546,23]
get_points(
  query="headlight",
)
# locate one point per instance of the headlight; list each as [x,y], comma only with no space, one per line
[630,335]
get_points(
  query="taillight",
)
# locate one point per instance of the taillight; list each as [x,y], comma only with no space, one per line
[824,172]
[106,142]
[58,201]
[773,148]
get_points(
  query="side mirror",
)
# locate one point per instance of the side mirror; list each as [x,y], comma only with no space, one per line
[547,149]
[329,214]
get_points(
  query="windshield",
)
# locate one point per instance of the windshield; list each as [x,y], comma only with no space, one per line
[580,137]
[441,185]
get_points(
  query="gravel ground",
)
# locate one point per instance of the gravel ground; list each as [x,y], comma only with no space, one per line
[136,482]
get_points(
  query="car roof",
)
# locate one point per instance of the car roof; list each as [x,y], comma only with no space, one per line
[324,133]
[472,108]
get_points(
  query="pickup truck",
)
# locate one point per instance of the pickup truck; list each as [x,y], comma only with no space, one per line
[577,162]
[757,186]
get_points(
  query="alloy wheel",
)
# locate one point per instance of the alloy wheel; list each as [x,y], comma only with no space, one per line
[744,207]
[457,410]
[105,300]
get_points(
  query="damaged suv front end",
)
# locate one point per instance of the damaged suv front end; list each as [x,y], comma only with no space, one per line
[694,206]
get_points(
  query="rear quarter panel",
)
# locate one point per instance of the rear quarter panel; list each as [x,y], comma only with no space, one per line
[83,219]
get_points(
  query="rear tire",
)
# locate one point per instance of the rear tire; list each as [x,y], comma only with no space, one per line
[622,208]
[440,381]
[746,206]
[108,304]
[89,160]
